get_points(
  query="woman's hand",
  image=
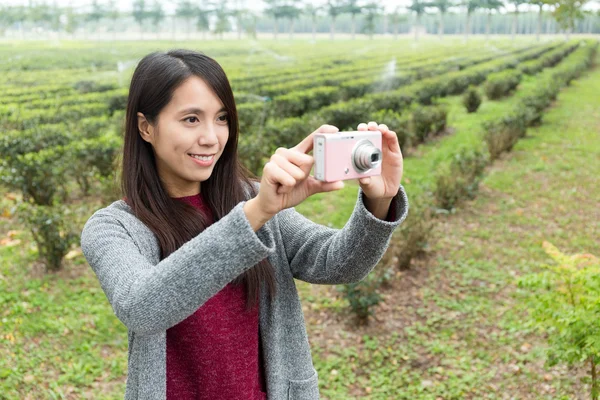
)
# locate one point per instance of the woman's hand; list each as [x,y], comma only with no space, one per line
[286,179]
[384,187]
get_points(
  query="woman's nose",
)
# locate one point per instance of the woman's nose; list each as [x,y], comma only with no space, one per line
[208,136]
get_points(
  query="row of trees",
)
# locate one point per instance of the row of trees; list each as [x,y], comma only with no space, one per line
[223,16]
[566,12]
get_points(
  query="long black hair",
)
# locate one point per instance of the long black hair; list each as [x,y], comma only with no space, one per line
[175,222]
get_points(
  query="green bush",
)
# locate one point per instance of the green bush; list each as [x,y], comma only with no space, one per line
[297,103]
[502,83]
[414,234]
[92,127]
[501,135]
[346,115]
[49,226]
[459,178]
[396,122]
[92,158]
[251,116]
[364,295]
[38,175]
[427,121]
[253,152]
[39,137]
[549,59]
[92,86]
[287,132]
[116,103]
[534,103]
[564,303]
[471,99]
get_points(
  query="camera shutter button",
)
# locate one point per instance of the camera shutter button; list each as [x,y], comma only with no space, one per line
[347,170]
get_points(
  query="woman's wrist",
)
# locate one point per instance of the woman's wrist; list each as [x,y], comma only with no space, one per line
[378,207]
[255,215]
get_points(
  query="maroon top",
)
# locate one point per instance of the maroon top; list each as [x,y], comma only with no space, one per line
[215,353]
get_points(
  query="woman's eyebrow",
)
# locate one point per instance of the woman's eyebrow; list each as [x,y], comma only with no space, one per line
[195,110]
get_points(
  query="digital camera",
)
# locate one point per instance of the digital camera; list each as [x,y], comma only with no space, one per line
[347,155]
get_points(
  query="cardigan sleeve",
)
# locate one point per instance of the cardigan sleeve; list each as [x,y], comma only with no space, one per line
[323,255]
[151,298]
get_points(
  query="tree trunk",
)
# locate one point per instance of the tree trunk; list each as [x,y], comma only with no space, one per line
[396,28]
[514,25]
[441,26]
[417,27]
[488,23]
[539,25]
[275,28]
[314,30]
[174,20]
[468,26]
[332,28]
[353,26]
[385,24]
[291,29]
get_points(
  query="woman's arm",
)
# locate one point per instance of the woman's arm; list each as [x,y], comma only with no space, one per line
[150,298]
[323,255]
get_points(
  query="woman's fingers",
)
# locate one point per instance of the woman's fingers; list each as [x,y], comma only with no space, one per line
[303,161]
[284,163]
[316,186]
[361,127]
[306,144]
[276,175]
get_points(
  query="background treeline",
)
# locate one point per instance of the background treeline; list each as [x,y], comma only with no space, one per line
[155,18]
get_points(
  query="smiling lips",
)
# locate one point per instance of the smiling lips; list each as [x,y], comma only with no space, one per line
[202,160]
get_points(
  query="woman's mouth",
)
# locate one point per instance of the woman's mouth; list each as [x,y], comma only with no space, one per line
[203,161]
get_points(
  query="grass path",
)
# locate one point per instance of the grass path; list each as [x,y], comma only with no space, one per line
[452,327]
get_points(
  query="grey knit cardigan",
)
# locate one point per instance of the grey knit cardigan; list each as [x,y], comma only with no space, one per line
[149,296]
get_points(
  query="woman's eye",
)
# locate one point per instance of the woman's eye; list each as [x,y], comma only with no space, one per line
[191,118]
[224,118]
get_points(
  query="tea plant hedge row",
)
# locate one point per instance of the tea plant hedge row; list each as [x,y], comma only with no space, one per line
[69,130]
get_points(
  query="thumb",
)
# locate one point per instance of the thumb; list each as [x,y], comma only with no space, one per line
[317,186]
[365,181]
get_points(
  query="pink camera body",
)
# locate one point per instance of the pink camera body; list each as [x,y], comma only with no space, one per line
[347,155]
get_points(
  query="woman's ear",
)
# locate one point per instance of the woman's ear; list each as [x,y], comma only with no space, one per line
[145,128]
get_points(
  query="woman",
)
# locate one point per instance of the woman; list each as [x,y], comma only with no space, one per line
[198,259]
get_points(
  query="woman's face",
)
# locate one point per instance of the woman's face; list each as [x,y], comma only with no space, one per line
[193,122]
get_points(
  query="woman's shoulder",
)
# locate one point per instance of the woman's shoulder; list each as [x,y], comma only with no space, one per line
[118,211]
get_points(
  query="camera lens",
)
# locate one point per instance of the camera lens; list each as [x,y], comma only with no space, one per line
[365,156]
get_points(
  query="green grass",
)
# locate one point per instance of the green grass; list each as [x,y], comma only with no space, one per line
[58,335]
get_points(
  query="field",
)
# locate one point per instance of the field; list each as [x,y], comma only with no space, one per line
[451,322]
